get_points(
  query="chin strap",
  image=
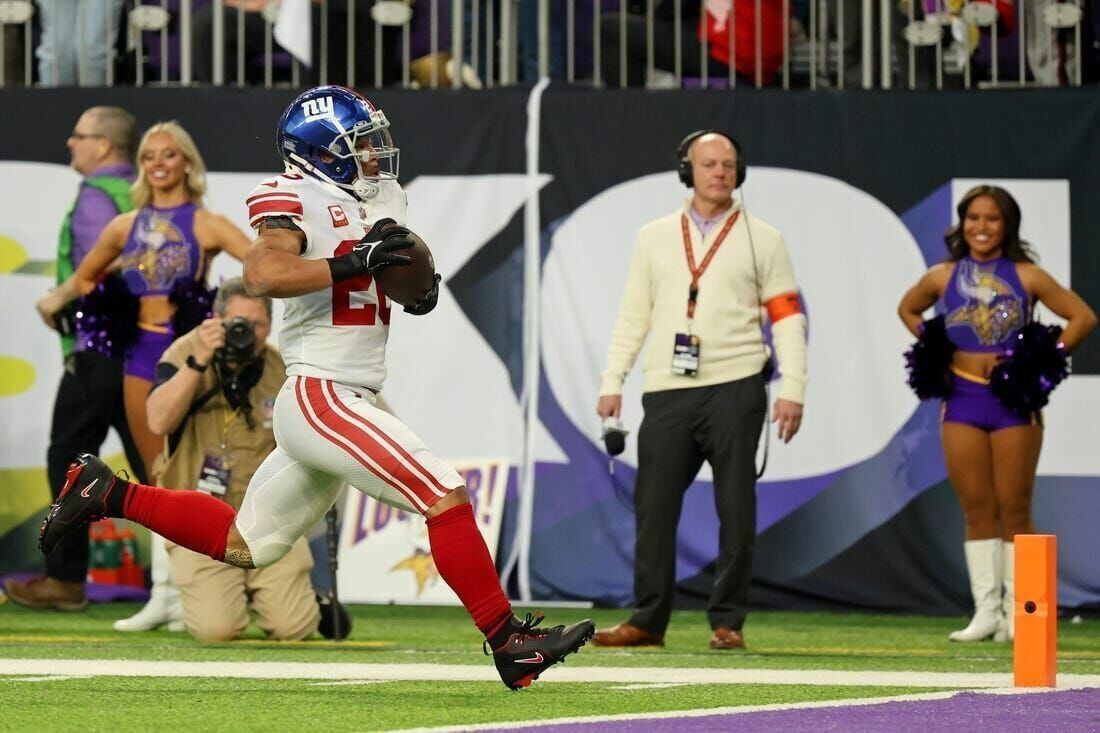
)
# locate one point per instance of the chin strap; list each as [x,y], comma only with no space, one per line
[364,188]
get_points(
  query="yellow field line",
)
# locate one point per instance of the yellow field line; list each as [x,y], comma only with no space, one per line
[120,639]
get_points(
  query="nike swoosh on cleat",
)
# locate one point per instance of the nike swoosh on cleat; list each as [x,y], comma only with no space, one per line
[86,493]
[538,658]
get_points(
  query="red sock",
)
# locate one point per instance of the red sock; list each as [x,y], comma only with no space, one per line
[463,561]
[192,519]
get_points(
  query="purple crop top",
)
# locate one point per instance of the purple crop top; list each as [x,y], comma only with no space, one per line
[161,249]
[985,303]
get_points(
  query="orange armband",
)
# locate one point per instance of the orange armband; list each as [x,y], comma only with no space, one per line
[781,306]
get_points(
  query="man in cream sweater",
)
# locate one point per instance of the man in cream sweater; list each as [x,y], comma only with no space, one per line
[700,280]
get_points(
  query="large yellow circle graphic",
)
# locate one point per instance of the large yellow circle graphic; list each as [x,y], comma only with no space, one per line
[16,375]
[12,254]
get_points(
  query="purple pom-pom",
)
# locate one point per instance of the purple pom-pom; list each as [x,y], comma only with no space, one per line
[106,318]
[194,304]
[928,361]
[1032,367]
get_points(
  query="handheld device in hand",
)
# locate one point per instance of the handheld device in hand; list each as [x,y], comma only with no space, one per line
[614,440]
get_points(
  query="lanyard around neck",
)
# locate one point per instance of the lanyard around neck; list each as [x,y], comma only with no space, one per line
[697,272]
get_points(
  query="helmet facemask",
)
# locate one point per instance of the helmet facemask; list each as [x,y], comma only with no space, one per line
[369,147]
[358,159]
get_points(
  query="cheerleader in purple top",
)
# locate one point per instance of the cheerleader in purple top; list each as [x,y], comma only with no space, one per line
[988,287]
[168,238]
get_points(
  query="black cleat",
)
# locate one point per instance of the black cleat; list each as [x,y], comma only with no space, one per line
[530,651]
[82,500]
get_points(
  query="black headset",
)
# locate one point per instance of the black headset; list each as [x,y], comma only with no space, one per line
[683,167]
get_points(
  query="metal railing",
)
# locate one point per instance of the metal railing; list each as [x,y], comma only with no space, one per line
[754,43]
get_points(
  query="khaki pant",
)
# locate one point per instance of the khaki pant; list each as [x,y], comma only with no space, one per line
[216,596]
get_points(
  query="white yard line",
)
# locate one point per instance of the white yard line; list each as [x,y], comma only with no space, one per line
[707,712]
[486,673]
[649,686]
[694,713]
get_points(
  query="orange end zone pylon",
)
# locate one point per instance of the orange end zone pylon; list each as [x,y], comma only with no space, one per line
[1035,650]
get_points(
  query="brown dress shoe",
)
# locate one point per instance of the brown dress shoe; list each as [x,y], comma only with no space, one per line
[724,638]
[626,634]
[43,592]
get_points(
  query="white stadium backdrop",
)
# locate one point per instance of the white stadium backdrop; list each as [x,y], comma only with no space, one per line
[852,255]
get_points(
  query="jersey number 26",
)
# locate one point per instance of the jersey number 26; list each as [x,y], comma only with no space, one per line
[367,314]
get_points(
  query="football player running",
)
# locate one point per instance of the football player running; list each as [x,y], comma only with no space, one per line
[326,227]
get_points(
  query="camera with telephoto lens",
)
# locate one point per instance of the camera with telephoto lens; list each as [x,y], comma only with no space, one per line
[240,341]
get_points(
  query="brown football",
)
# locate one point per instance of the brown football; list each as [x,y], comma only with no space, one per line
[408,284]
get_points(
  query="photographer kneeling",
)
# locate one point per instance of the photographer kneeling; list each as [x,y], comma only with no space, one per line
[213,398]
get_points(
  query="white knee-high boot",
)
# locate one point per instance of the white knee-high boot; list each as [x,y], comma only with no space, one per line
[164,607]
[1007,630]
[984,563]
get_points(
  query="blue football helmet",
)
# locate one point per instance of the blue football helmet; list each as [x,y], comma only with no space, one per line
[336,135]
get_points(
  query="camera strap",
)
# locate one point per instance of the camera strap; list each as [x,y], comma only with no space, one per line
[177,434]
[238,385]
[200,401]
[236,389]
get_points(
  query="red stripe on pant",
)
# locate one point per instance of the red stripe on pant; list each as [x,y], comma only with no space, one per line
[353,440]
[349,414]
[342,442]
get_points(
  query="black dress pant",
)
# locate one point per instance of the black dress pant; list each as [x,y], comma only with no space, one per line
[89,403]
[682,428]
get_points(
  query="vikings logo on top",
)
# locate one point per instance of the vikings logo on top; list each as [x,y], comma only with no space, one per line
[161,255]
[992,309]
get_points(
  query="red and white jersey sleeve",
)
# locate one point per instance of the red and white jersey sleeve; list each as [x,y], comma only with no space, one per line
[275,197]
[339,333]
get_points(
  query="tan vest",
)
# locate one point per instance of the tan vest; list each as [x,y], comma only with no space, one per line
[215,423]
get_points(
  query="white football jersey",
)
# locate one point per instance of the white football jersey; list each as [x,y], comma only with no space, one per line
[338,333]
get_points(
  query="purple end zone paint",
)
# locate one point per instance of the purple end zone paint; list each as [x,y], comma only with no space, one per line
[1069,710]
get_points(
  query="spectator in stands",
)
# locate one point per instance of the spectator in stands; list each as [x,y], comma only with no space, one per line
[528,22]
[164,246]
[89,397]
[1052,55]
[851,46]
[77,38]
[700,305]
[13,51]
[213,399]
[717,30]
[202,38]
[255,32]
[989,286]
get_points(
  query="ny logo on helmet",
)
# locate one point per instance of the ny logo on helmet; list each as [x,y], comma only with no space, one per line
[314,108]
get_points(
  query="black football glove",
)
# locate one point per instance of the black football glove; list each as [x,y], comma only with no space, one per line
[380,247]
[427,303]
[384,229]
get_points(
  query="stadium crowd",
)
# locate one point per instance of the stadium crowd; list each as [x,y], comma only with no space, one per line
[112,42]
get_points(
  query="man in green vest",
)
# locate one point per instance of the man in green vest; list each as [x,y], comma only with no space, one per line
[89,397]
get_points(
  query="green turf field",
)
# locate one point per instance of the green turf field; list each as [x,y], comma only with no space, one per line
[420,650]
